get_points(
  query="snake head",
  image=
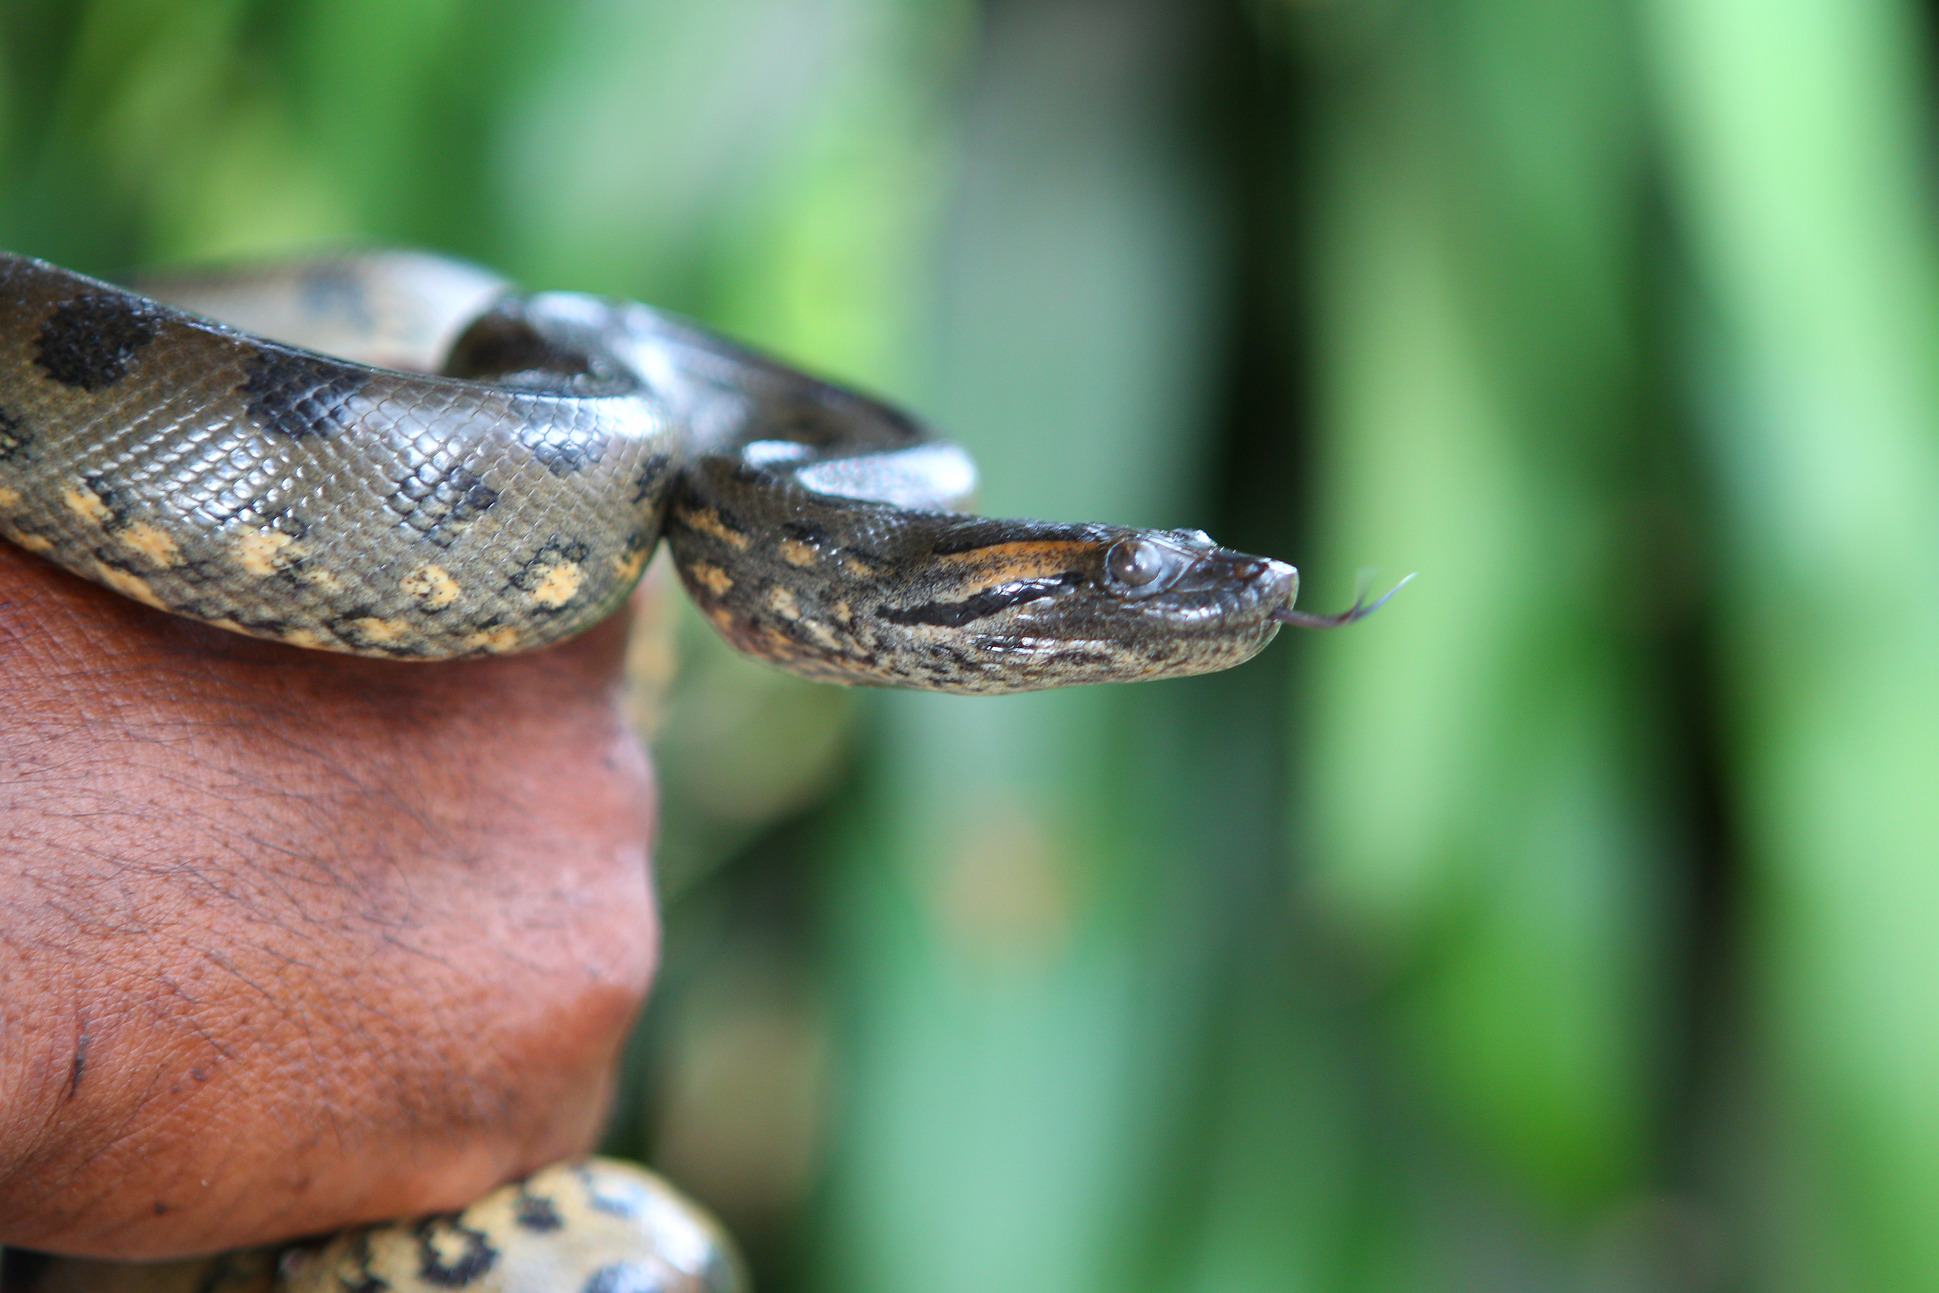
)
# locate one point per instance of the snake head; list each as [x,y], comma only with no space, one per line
[1041,605]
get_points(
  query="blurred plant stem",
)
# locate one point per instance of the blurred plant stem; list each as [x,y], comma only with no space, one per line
[1484,772]
[1801,141]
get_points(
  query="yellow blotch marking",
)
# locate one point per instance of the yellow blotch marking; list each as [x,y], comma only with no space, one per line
[797,553]
[707,521]
[432,586]
[560,585]
[33,542]
[318,577]
[151,542]
[1005,563]
[629,568]
[498,641]
[86,504]
[381,632]
[821,634]
[1025,560]
[264,552]
[844,613]
[712,578]
[773,644]
[305,638]
[860,569]
[9,498]
[128,585]
[782,603]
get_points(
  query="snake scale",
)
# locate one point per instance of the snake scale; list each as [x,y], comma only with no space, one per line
[394,454]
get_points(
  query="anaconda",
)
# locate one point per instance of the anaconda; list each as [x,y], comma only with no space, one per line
[476,471]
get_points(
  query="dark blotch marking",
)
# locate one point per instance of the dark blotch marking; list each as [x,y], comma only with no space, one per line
[119,559]
[439,502]
[367,1281]
[230,507]
[653,473]
[977,533]
[262,626]
[728,521]
[625,1205]
[98,486]
[114,500]
[91,341]
[812,535]
[299,395]
[563,451]
[956,614]
[477,1257]
[485,626]
[279,519]
[624,1277]
[556,551]
[12,438]
[536,1212]
[203,609]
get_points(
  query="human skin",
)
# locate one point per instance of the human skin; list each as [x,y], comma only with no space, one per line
[292,940]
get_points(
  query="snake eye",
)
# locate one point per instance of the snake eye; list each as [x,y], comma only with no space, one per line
[1135,562]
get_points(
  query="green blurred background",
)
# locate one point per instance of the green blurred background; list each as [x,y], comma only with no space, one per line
[1572,925]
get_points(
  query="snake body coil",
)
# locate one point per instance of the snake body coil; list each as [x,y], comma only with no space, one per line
[594,1225]
[424,465]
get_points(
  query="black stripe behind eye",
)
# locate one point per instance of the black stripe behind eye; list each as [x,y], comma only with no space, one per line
[956,614]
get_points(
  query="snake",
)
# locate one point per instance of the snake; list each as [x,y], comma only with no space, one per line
[399,455]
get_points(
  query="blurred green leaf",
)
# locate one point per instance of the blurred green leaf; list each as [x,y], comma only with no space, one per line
[1487,817]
